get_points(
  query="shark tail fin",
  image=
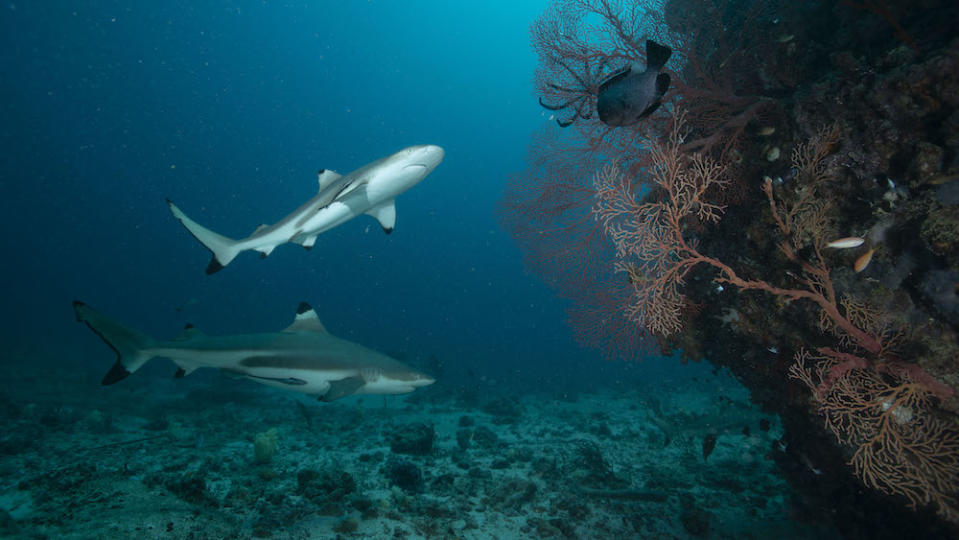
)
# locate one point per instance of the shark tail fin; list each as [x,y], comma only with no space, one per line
[224,249]
[128,343]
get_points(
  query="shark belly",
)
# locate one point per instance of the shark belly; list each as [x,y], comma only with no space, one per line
[310,382]
[385,385]
[328,217]
[266,241]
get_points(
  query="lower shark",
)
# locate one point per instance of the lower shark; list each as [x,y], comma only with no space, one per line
[371,189]
[304,357]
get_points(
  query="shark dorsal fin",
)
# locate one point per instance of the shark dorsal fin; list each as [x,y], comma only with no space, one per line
[386,214]
[188,332]
[306,320]
[259,229]
[327,177]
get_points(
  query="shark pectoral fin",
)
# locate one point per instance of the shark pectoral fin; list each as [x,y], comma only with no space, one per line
[327,177]
[385,213]
[306,320]
[342,388]
[308,242]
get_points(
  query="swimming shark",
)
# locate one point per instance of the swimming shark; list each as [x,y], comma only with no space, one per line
[304,357]
[371,189]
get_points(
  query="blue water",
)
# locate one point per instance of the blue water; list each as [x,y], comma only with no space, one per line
[229,109]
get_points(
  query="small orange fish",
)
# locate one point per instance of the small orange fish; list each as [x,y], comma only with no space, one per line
[863,261]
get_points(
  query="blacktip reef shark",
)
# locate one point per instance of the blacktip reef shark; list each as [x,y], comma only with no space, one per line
[371,189]
[304,357]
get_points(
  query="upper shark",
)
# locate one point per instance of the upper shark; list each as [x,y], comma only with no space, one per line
[371,189]
[304,357]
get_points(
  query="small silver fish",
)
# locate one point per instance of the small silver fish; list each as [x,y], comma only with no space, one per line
[846,243]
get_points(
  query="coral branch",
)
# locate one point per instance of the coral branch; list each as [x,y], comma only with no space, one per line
[653,251]
[900,446]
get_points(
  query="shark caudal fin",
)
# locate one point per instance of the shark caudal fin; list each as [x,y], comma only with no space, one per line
[129,344]
[224,249]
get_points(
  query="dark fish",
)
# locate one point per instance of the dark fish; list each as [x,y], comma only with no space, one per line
[709,442]
[629,95]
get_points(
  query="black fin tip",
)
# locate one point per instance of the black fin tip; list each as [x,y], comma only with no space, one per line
[213,267]
[116,373]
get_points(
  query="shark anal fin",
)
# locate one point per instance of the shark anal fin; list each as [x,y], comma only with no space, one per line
[183,370]
[342,388]
[265,250]
[385,213]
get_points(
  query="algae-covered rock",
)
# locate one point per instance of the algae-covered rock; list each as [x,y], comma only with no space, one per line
[416,439]
[404,475]
[940,231]
[329,484]
[264,446]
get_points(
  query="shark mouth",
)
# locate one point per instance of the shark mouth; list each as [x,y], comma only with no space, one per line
[418,165]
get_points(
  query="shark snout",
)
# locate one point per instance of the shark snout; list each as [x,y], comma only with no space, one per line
[420,379]
[426,156]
